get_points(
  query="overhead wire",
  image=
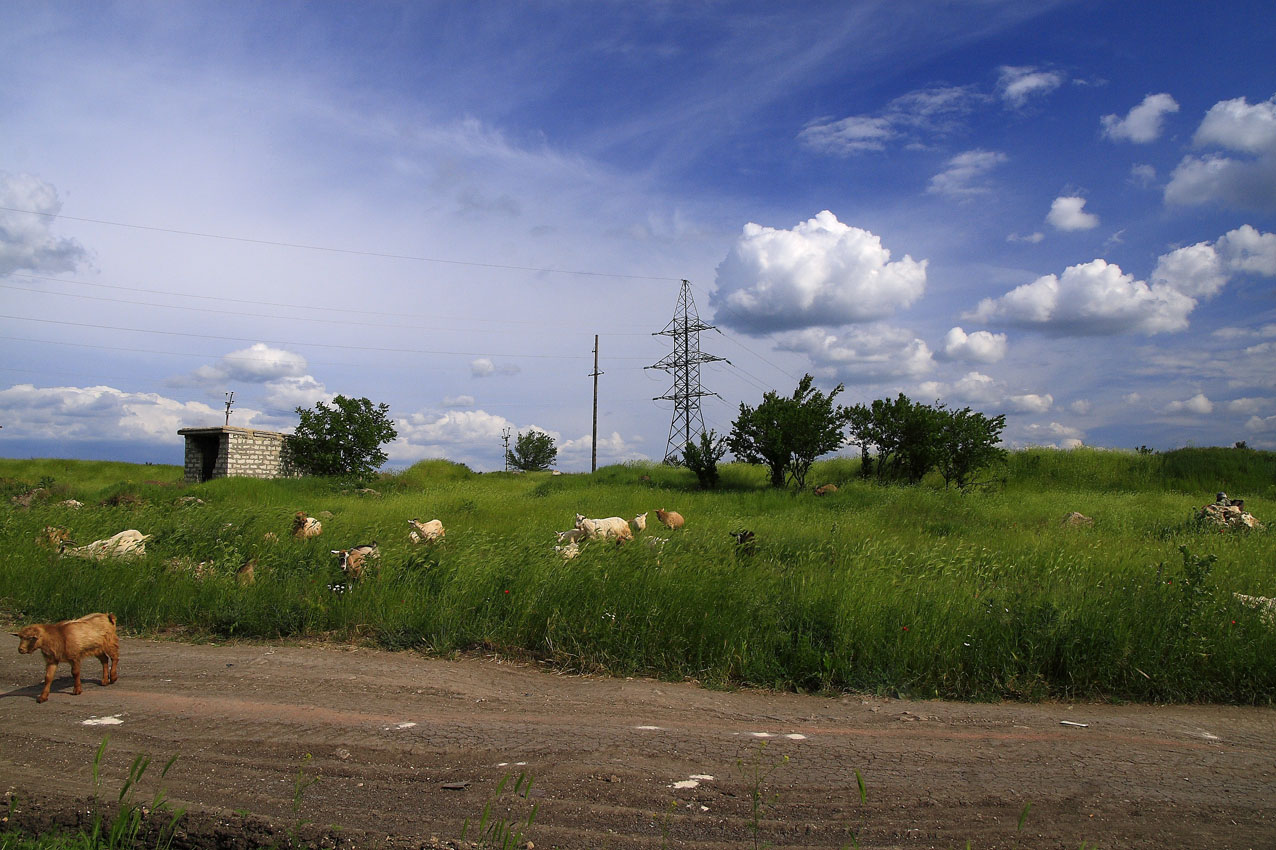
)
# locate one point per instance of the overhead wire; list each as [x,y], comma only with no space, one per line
[344,311]
[345,322]
[341,346]
[330,249]
[755,380]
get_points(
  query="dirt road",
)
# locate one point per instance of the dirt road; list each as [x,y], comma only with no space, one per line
[405,748]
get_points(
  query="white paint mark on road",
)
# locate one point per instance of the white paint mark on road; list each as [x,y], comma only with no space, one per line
[794,736]
[650,728]
[407,725]
[703,777]
[762,734]
[113,720]
[685,783]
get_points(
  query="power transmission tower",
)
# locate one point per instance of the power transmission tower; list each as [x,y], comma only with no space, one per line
[505,438]
[684,365]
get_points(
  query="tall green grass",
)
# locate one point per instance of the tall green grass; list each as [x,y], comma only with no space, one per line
[919,591]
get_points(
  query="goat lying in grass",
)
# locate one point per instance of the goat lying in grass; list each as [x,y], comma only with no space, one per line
[73,640]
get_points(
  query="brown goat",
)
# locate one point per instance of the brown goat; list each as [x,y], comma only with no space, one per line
[669,519]
[73,640]
[305,527]
[825,489]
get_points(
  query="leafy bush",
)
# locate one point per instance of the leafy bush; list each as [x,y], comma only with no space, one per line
[702,458]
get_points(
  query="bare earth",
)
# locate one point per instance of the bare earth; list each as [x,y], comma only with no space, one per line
[406,748]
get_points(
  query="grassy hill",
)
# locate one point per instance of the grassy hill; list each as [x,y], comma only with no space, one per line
[920,591]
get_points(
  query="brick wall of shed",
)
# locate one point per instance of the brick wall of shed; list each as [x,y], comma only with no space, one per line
[259,454]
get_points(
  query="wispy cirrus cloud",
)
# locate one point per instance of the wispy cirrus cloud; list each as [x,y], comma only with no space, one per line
[962,175]
[1017,85]
[913,119]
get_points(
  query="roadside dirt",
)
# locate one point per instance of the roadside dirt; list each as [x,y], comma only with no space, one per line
[406,748]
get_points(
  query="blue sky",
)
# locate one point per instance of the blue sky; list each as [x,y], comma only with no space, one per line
[1060,211]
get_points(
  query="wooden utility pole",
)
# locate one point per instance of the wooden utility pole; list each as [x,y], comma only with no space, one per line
[230,401]
[593,440]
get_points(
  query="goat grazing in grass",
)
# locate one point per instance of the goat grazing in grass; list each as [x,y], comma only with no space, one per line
[73,640]
[305,527]
[669,519]
[610,528]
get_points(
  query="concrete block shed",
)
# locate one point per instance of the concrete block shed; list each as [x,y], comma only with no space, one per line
[225,452]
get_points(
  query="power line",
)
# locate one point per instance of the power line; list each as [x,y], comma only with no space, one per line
[344,311]
[306,344]
[778,368]
[342,322]
[332,250]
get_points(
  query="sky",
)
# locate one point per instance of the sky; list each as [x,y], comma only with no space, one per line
[1064,212]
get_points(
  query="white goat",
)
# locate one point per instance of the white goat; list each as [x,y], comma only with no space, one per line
[127,544]
[610,528]
[426,532]
[573,535]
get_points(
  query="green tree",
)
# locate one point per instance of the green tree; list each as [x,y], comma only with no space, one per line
[344,439]
[533,451]
[902,432]
[702,459]
[968,442]
[910,438]
[788,433]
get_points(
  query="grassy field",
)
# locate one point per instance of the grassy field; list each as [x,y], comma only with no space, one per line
[918,591]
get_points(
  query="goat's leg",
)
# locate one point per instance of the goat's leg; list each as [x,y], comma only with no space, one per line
[105,658]
[75,671]
[50,670]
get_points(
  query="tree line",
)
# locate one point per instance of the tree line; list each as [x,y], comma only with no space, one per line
[900,440]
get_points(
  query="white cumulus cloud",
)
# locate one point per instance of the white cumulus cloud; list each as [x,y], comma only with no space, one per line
[1201,270]
[103,413]
[256,364]
[1090,299]
[1097,298]
[978,347]
[1068,213]
[1143,123]
[820,273]
[980,390]
[1054,434]
[26,238]
[1197,404]
[287,394]
[861,355]
[1247,182]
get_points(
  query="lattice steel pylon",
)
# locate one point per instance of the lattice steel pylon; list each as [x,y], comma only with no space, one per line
[684,365]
